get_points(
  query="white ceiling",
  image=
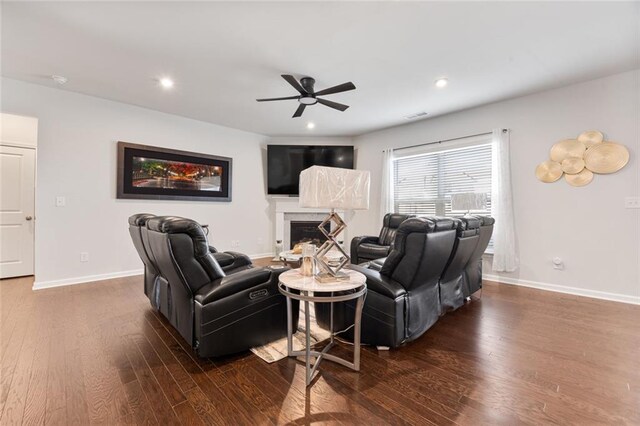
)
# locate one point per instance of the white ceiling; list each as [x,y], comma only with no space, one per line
[224,55]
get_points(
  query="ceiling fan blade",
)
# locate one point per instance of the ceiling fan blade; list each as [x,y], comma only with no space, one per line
[292,81]
[277,99]
[299,111]
[344,87]
[333,105]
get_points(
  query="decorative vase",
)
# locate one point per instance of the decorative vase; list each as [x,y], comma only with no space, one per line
[307,267]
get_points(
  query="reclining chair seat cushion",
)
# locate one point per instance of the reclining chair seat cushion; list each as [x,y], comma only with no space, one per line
[380,283]
[376,264]
[231,284]
[373,251]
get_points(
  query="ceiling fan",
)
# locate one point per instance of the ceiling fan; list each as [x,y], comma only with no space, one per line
[309,97]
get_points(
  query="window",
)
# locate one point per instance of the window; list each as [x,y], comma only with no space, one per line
[424,179]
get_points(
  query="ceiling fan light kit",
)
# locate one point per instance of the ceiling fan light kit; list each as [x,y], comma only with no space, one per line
[308,96]
[579,159]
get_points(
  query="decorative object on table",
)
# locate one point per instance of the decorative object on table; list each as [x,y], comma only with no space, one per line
[578,159]
[549,171]
[468,201]
[333,188]
[279,248]
[308,265]
[147,172]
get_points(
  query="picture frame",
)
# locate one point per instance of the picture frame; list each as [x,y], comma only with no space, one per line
[155,173]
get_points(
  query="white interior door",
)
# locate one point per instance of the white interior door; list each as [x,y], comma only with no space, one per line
[17,188]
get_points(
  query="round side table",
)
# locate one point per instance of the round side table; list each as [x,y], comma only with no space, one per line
[308,289]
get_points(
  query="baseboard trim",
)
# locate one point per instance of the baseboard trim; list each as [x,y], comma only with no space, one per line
[40,285]
[260,255]
[594,294]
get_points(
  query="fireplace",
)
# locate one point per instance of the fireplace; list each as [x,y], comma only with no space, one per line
[305,231]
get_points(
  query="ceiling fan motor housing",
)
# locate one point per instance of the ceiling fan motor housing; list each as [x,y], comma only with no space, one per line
[307,84]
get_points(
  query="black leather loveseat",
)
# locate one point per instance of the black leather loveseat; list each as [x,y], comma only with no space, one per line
[366,248]
[217,313]
[435,263]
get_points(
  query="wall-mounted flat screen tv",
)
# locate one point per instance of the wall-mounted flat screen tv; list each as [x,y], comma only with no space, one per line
[285,162]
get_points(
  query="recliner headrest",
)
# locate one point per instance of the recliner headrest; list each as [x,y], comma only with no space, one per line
[181,225]
[393,220]
[468,222]
[140,219]
[486,220]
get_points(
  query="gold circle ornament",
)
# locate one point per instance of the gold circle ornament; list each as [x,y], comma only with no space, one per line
[591,137]
[567,148]
[549,171]
[606,157]
[572,165]
[580,179]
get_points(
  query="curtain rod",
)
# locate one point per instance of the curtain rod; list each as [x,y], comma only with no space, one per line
[445,140]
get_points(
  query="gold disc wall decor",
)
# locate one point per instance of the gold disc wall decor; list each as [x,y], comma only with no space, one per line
[567,148]
[580,179]
[606,157]
[578,159]
[591,137]
[572,165]
[549,171]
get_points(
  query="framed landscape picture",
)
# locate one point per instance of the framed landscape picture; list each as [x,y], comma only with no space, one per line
[147,172]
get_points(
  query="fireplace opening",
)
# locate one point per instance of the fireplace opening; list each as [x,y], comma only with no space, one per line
[307,232]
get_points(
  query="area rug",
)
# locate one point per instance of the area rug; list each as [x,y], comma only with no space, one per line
[277,350]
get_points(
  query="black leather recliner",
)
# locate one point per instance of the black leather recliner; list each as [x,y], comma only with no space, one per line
[366,248]
[452,294]
[230,261]
[217,314]
[403,296]
[473,271]
[136,223]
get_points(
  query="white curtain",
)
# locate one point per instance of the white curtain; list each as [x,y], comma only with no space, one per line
[386,187]
[505,256]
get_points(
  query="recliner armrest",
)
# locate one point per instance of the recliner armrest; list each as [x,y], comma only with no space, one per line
[356,241]
[380,283]
[241,259]
[232,284]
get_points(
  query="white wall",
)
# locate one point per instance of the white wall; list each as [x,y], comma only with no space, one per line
[77,159]
[588,227]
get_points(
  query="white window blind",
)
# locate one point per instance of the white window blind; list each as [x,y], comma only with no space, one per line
[424,182]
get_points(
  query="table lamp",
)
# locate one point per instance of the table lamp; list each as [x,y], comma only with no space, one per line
[467,201]
[333,188]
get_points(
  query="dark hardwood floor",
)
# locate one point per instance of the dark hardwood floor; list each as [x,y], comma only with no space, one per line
[97,354]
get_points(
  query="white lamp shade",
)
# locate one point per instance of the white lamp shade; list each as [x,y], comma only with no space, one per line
[468,201]
[334,188]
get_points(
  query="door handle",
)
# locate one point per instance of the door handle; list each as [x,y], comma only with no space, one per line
[28,218]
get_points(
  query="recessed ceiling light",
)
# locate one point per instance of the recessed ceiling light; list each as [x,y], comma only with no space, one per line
[310,125]
[166,82]
[441,82]
[59,79]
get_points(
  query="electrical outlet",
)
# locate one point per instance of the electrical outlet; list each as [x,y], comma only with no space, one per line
[235,243]
[84,256]
[558,263]
[61,201]
[632,203]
